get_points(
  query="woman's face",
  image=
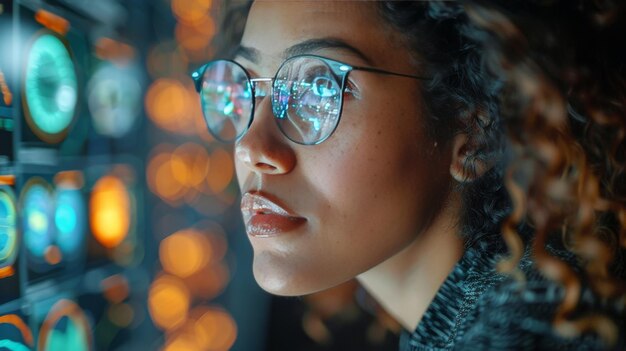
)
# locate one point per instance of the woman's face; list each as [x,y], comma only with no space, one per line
[320,215]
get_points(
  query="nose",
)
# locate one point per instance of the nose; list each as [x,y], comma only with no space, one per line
[263,148]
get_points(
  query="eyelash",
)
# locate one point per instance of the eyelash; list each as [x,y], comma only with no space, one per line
[351,90]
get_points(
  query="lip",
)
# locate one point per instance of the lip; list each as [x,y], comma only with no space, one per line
[265,216]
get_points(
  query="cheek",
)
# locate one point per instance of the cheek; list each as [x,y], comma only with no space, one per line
[370,169]
[371,153]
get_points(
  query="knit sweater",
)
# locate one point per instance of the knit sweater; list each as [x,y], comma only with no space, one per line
[478,308]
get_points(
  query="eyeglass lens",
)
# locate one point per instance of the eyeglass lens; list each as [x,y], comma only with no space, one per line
[306,100]
[226,100]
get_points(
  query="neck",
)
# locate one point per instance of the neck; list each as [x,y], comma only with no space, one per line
[406,283]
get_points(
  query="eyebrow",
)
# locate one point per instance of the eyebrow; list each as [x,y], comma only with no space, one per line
[250,54]
[305,47]
[313,45]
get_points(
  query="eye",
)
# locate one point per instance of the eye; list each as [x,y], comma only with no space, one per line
[324,87]
[351,90]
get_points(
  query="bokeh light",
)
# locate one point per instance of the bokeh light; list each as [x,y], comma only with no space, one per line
[161,178]
[168,106]
[210,281]
[216,330]
[181,343]
[115,288]
[110,211]
[208,328]
[191,164]
[191,11]
[180,175]
[221,172]
[168,302]
[113,50]
[185,253]
[196,39]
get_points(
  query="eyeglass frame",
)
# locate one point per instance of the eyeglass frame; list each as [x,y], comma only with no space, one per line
[338,68]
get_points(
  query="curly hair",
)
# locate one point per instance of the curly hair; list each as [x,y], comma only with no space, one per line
[540,87]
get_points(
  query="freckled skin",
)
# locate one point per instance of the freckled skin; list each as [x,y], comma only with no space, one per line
[370,189]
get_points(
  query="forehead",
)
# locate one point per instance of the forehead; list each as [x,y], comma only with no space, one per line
[275,26]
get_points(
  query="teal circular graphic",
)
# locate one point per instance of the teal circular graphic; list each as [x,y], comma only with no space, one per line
[8,229]
[70,221]
[37,220]
[114,99]
[50,86]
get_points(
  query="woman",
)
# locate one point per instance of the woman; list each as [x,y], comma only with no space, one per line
[473,188]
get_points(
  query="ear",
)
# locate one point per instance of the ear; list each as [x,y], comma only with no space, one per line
[466,166]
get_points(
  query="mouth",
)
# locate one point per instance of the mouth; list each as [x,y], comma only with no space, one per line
[265,216]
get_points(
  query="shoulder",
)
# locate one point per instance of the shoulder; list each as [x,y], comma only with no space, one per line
[518,315]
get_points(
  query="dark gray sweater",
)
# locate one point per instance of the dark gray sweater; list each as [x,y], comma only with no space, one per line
[478,308]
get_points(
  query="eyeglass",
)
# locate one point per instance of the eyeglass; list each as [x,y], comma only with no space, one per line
[307,97]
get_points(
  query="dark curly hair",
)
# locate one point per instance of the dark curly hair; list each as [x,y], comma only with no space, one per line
[540,87]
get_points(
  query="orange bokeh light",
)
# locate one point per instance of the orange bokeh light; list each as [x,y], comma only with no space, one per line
[209,282]
[165,181]
[221,171]
[113,50]
[216,330]
[191,161]
[178,174]
[109,211]
[53,255]
[182,344]
[197,37]
[168,302]
[115,288]
[167,103]
[191,11]
[185,252]
[161,178]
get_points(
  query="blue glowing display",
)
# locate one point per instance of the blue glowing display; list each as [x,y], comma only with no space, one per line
[36,219]
[70,220]
[50,87]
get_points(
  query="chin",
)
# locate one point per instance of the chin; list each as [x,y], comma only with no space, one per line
[283,280]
